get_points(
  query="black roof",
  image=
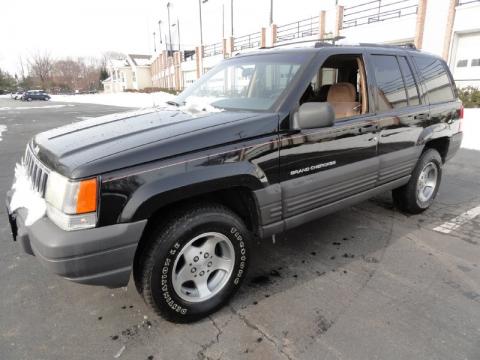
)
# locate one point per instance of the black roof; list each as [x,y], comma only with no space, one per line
[316,46]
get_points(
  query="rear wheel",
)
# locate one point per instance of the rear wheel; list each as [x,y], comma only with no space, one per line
[419,193]
[29,99]
[194,263]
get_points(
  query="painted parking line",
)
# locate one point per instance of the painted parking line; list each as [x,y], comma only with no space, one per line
[5,108]
[3,128]
[458,221]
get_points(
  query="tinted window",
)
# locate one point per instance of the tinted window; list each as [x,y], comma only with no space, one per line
[410,84]
[437,82]
[391,90]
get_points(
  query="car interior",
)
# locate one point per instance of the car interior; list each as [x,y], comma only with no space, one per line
[341,81]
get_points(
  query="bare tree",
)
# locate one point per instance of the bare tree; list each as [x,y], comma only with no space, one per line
[41,66]
[66,73]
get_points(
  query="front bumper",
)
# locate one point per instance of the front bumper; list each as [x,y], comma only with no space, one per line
[99,256]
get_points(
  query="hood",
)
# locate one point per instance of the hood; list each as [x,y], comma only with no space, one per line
[99,145]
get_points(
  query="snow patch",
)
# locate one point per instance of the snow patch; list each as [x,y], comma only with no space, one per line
[199,106]
[24,196]
[125,99]
[3,128]
[471,129]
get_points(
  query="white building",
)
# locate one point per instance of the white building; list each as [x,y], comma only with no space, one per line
[448,28]
[130,73]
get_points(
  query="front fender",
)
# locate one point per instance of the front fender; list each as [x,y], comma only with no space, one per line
[159,190]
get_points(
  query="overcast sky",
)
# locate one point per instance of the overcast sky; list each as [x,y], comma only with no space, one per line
[91,27]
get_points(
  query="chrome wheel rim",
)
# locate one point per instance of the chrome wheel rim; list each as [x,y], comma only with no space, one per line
[203,267]
[427,182]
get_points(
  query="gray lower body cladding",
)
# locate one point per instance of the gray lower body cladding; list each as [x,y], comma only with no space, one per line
[100,256]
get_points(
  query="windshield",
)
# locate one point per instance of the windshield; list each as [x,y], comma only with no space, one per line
[246,83]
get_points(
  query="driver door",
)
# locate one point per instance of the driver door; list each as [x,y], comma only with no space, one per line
[319,166]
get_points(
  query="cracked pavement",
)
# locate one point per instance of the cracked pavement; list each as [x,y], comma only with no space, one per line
[367,282]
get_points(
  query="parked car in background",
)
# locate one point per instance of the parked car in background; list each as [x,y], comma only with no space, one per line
[35,95]
[17,95]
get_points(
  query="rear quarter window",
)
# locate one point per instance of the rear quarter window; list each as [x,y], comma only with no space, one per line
[437,81]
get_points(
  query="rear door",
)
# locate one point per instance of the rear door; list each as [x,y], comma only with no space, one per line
[439,89]
[322,165]
[401,114]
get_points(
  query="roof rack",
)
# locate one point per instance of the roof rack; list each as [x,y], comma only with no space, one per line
[325,42]
[408,46]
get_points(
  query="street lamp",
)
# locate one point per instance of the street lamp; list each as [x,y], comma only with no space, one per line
[160,30]
[200,2]
[271,12]
[231,17]
[178,32]
[169,4]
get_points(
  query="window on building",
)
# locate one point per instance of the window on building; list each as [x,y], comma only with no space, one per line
[410,84]
[437,81]
[134,76]
[476,62]
[390,87]
[341,81]
[462,63]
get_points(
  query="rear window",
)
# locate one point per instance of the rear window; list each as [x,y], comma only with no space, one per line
[437,81]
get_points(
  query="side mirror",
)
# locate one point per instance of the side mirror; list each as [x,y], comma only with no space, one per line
[312,115]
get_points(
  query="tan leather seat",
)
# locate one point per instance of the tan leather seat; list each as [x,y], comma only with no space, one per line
[342,97]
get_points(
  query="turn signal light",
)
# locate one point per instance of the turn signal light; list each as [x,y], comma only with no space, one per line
[87,196]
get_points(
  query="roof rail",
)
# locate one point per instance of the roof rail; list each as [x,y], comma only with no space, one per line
[408,46]
[316,43]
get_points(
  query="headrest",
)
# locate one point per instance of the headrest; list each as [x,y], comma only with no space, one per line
[341,92]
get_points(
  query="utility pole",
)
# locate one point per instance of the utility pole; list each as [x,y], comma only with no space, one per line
[169,27]
[160,30]
[154,43]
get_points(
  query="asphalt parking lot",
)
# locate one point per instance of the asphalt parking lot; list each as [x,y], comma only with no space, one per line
[365,283]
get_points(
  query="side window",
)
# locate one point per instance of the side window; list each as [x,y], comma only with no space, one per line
[412,91]
[391,89]
[340,81]
[437,81]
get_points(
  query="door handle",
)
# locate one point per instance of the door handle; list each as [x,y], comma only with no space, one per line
[368,128]
[423,116]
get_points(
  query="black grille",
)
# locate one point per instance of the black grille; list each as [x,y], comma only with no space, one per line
[36,171]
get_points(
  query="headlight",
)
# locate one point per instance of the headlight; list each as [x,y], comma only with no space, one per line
[72,205]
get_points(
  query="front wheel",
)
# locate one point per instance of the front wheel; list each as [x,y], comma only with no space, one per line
[418,194]
[194,263]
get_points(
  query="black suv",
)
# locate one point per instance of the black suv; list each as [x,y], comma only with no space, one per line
[35,95]
[262,143]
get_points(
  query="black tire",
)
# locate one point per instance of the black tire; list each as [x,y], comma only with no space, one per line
[406,198]
[159,261]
